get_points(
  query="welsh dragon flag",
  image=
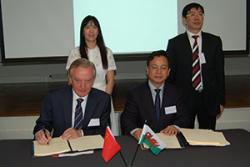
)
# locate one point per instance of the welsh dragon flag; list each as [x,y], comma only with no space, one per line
[149,138]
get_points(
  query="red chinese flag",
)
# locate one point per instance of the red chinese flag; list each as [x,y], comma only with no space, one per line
[110,146]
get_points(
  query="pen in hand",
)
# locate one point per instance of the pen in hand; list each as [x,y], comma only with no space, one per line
[46,135]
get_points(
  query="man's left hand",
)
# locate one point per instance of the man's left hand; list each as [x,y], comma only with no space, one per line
[221,112]
[170,130]
[71,133]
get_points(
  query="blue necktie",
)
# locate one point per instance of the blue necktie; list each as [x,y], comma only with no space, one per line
[78,114]
[157,103]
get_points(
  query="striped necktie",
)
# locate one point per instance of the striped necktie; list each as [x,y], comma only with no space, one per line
[78,114]
[196,70]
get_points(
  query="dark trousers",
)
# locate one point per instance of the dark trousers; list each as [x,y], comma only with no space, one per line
[196,107]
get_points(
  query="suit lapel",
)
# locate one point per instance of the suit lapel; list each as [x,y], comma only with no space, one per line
[186,44]
[67,106]
[187,58]
[89,109]
[204,43]
[166,101]
[164,98]
[149,106]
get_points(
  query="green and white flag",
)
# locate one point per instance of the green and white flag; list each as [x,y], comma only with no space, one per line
[149,138]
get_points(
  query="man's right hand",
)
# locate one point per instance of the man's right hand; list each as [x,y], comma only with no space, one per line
[137,134]
[43,136]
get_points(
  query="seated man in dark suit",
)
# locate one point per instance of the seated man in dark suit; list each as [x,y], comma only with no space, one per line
[163,111]
[75,110]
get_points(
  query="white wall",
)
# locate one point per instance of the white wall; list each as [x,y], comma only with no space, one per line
[46,28]
[235,118]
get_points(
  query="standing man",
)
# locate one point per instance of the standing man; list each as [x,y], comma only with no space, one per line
[74,110]
[198,68]
[154,101]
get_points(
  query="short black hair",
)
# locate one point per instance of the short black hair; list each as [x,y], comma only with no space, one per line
[157,53]
[188,7]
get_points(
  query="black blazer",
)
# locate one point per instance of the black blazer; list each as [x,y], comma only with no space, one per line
[213,75]
[140,107]
[56,112]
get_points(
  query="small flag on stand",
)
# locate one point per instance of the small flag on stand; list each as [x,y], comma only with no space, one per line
[149,138]
[110,146]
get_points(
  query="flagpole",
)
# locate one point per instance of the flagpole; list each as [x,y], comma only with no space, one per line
[133,160]
[123,159]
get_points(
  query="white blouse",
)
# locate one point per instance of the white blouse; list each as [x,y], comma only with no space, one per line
[94,56]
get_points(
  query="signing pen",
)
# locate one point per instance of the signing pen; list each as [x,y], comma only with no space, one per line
[45,133]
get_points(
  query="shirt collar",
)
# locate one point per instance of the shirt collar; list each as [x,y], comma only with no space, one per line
[152,87]
[190,34]
[75,96]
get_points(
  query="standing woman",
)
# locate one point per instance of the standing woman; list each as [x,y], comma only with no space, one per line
[92,47]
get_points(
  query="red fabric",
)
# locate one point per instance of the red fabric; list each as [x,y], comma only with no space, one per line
[110,146]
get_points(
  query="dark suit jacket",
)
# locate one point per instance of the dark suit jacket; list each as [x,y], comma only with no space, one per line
[180,53]
[56,112]
[140,107]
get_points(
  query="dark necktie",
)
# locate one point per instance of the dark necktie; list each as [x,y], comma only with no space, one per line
[157,103]
[196,70]
[78,114]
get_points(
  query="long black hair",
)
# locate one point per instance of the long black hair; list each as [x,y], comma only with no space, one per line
[99,40]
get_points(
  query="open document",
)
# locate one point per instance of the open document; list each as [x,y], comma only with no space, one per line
[58,145]
[171,142]
[204,137]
